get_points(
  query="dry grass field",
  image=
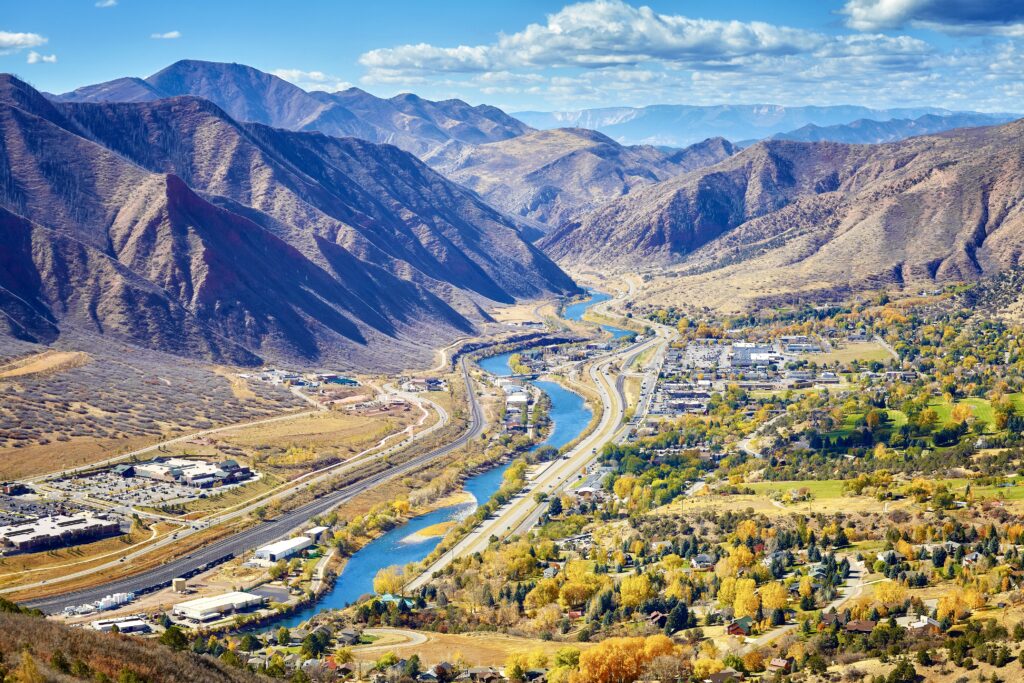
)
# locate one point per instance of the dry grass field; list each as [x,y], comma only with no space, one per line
[481,649]
[42,363]
[862,351]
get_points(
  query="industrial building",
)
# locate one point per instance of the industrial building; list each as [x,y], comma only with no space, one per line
[124,625]
[205,609]
[283,549]
[57,531]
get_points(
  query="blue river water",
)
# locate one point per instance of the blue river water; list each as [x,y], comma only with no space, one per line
[399,546]
[575,312]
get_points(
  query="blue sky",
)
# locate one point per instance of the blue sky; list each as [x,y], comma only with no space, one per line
[529,54]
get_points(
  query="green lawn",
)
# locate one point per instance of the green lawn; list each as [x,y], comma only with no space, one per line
[982,410]
[827,488]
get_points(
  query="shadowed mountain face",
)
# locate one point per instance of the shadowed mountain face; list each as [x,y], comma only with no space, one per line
[246,94]
[171,225]
[946,206]
[554,175]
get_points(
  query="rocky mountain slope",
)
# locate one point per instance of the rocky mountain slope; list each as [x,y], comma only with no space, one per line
[247,94]
[171,225]
[679,125]
[554,175]
[869,131]
[787,216]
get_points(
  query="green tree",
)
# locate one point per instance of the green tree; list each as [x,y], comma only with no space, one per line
[174,638]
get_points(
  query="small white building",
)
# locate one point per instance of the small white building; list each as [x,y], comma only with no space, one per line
[123,624]
[204,609]
[283,549]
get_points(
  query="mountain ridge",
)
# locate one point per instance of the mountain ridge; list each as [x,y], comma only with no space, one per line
[250,95]
[781,215]
[361,254]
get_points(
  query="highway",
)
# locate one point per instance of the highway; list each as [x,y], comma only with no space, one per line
[522,513]
[268,530]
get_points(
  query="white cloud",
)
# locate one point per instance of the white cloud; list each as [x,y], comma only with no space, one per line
[169,35]
[35,58]
[598,34]
[106,3]
[312,80]
[13,42]
[968,17]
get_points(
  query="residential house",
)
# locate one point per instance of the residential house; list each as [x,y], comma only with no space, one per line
[741,627]
[860,626]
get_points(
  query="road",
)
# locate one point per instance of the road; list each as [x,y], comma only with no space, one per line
[268,530]
[522,513]
[851,589]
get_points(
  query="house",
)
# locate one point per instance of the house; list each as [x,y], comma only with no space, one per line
[481,674]
[347,636]
[891,557]
[729,675]
[779,665]
[971,559]
[348,669]
[860,626]
[831,618]
[741,627]
[657,619]
[925,626]
[702,562]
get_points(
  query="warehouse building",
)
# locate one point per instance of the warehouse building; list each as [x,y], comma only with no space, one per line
[206,609]
[283,549]
[56,531]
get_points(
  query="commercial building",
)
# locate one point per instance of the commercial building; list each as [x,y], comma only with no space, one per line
[205,609]
[57,531]
[283,549]
[198,473]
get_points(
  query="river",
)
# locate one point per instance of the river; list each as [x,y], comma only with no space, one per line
[575,312]
[569,415]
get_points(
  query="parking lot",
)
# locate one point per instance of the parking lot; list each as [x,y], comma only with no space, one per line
[129,490]
[15,510]
[135,491]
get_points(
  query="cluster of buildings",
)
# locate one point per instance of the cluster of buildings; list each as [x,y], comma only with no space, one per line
[291,378]
[56,531]
[196,473]
[517,404]
[418,384]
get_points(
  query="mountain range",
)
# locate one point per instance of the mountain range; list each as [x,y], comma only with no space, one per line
[247,94]
[552,176]
[869,131]
[679,125]
[784,216]
[172,225]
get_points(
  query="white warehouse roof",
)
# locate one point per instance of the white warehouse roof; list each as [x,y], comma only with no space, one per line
[201,608]
[285,547]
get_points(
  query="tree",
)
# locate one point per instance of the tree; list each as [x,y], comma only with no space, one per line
[621,660]
[773,596]
[388,580]
[903,673]
[635,590]
[174,638]
[284,636]
[250,643]
[515,668]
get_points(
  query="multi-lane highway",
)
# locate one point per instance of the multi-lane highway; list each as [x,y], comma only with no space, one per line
[523,512]
[268,530]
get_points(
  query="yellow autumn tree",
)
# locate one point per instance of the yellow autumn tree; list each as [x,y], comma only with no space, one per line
[773,595]
[635,590]
[388,580]
[621,660]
